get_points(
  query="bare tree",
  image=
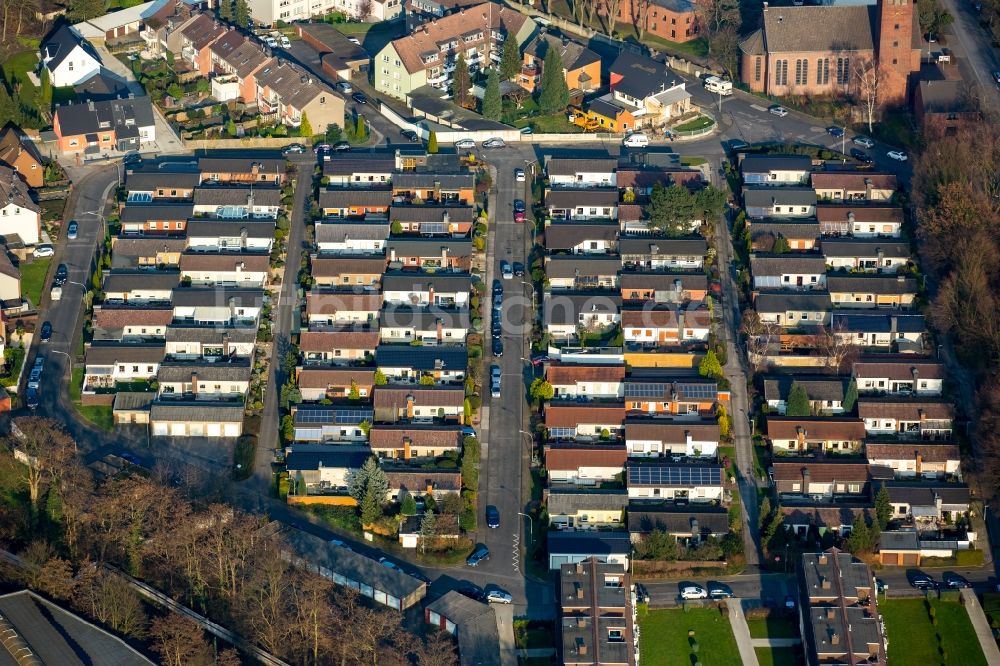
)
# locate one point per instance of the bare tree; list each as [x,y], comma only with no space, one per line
[869,77]
[517,95]
[314,613]
[725,45]
[759,337]
[438,649]
[46,448]
[612,7]
[108,597]
[641,15]
[835,344]
[364,10]
[179,641]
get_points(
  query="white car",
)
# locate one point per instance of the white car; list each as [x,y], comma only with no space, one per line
[285,43]
[495,142]
[271,42]
[863,141]
[693,592]
[519,175]
[43,251]
[499,597]
[465,144]
[354,40]
[506,271]
[779,111]
[898,155]
[636,140]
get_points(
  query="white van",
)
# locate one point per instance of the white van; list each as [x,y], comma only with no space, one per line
[720,86]
[636,141]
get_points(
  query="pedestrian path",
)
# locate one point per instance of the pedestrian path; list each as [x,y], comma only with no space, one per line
[741,631]
[775,642]
[982,626]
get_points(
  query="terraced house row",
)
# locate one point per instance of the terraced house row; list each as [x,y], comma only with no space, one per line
[175,323]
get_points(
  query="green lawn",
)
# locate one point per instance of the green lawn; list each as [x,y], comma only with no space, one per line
[664,637]
[779,656]
[913,639]
[76,384]
[699,123]
[991,606]
[773,627]
[552,123]
[33,279]
[17,67]
[692,161]
[99,415]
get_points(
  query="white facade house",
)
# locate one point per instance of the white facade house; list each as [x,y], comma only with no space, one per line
[567,172]
[656,438]
[788,271]
[899,376]
[582,381]
[213,235]
[219,306]
[424,289]
[19,215]
[269,12]
[68,57]
[107,365]
[656,327]
[352,238]
[776,169]
[177,418]
[654,480]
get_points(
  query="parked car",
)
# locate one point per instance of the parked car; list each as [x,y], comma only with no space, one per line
[861,156]
[472,592]
[344,87]
[34,378]
[62,274]
[497,347]
[693,592]
[519,211]
[468,431]
[495,371]
[31,398]
[293,149]
[636,140]
[73,230]
[519,175]
[539,360]
[132,158]
[955,582]
[922,581]
[360,98]
[129,458]
[339,544]
[863,141]
[518,269]
[835,132]
[898,155]
[492,516]
[778,110]
[497,300]
[46,332]
[790,602]
[480,554]
[384,561]
[497,287]
[465,144]
[494,393]
[410,136]
[271,42]
[354,40]
[527,130]
[880,586]
[736,146]
[718,590]
[322,148]
[505,270]
[495,142]
[499,597]
[43,251]
[641,594]
[285,43]
[342,147]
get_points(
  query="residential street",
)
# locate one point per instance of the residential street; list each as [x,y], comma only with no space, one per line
[971,45]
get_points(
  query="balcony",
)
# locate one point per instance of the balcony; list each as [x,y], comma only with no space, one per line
[438,80]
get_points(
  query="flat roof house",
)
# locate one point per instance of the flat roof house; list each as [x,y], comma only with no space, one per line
[331,423]
[176,418]
[585,508]
[776,169]
[596,615]
[572,547]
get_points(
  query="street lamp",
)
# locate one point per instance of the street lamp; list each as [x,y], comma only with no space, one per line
[531,530]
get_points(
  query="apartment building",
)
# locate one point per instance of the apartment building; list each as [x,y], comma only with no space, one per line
[597,615]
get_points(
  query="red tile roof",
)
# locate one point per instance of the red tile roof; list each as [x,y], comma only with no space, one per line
[569,416]
[928,451]
[570,457]
[819,472]
[112,318]
[391,437]
[570,374]
[825,429]
[317,341]
[313,378]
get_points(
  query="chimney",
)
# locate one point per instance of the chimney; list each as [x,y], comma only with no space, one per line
[916,375]
[881,256]
[582,649]
[579,591]
[823,558]
[225,345]
[579,567]
[90,105]
[765,6]
[430,294]
[827,584]
[392,254]
[695,529]
[407,442]
[835,638]
[440,331]
[194,383]
[409,406]
[893,326]
[919,460]
[444,255]
[805,480]
[868,189]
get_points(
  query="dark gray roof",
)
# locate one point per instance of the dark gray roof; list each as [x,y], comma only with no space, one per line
[589,543]
[871,282]
[435,213]
[573,54]
[425,358]
[339,232]
[566,235]
[167,211]
[237,196]
[564,307]
[61,43]
[351,163]
[181,371]
[781,264]
[783,301]
[944,96]
[663,281]
[147,181]
[768,163]
[217,296]
[571,500]
[570,166]
[342,198]
[604,107]
[133,400]
[318,415]
[111,353]
[210,334]
[923,494]
[476,627]
[314,456]
[51,634]
[644,518]
[422,318]
[642,76]
[125,281]
[211,227]
[758,197]
[573,197]
[409,179]
[441,282]
[429,247]
[817,387]
[264,165]
[202,411]
[865,247]
[567,266]
[662,246]
[789,230]
[866,321]
[128,250]
[125,116]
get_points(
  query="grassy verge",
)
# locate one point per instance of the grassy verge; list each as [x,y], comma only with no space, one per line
[554,123]
[699,123]
[790,656]
[99,415]
[33,279]
[692,161]
[675,636]
[696,47]
[915,639]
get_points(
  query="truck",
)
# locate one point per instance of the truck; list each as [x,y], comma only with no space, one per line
[56,293]
[714,84]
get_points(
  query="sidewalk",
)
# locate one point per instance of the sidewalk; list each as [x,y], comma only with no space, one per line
[742,633]
[982,626]
[775,642]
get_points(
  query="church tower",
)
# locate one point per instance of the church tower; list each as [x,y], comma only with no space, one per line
[895,50]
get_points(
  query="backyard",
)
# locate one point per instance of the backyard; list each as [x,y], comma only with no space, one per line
[783,656]
[33,279]
[916,638]
[773,626]
[702,633]
[101,416]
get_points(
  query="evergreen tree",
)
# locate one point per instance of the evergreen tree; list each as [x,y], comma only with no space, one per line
[710,366]
[555,93]
[305,129]
[850,396]
[395,228]
[428,528]
[241,13]
[408,505]
[432,143]
[226,10]
[781,245]
[510,64]
[380,378]
[763,513]
[798,401]
[355,393]
[672,209]
[231,128]
[883,508]
[361,130]
[859,540]
[725,422]
[492,103]
[371,508]
[461,81]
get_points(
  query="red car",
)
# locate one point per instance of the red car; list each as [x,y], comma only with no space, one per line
[519,210]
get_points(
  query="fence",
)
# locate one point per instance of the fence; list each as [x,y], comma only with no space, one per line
[246,142]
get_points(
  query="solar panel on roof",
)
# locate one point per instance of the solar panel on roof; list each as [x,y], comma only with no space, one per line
[700,390]
[321,416]
[657,475]
[433,228]
[645,390]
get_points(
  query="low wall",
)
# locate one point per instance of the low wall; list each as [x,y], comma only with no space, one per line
[101,399]
[330,500]
[246,142]
[665,360]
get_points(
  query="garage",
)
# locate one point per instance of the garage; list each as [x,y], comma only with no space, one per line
[178,429]
[233,429]
[196,429]
[214,430]
[160,430]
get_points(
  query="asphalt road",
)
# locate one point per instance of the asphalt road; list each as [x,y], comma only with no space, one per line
[972,46]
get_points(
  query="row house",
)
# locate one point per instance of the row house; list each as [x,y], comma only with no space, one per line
[872,290]
[289,93]
[663,254]
[673,288]
[581,65]
[568,420]
[903,375]
[614,548]
[242,269]
[879,330]
[859,221]
[220,235]
[655,395]
[917,460]
[800,235]
[324,469]
[928,506]
[129,323]
[333,383]
[568,312]
[434,483]
[584,464]
[340,308]
[108,364]
[331,424]
[351,237]
[566,172]
[236,61]
[196,39]
[142,287]
[147,252]
[346,347]
[434,220]
[439,188]
[579,273]
[237,203]
[800,435]
[585,508]
[825,393]
[872,255]
[784,170]
[641,181]
[360,170]
[843,186]
[209,342]
[245,170]
[586,381]
[454,254]
[788,271]
[445,364]
[582,204]
[843,479]
[354,203]
[597,610]
[666,326]
[690,524]
[430,326]
[793,309]
[124,124]
[156,219]
[784,202]
[659,437]
[918,418]
[347,272]
[422,289]
[147,187]
[423,404]
[415,441]
[217,306]
[204,380]
[582,238]
[694,482]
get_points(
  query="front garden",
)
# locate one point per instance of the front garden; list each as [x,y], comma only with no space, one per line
[687,635]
